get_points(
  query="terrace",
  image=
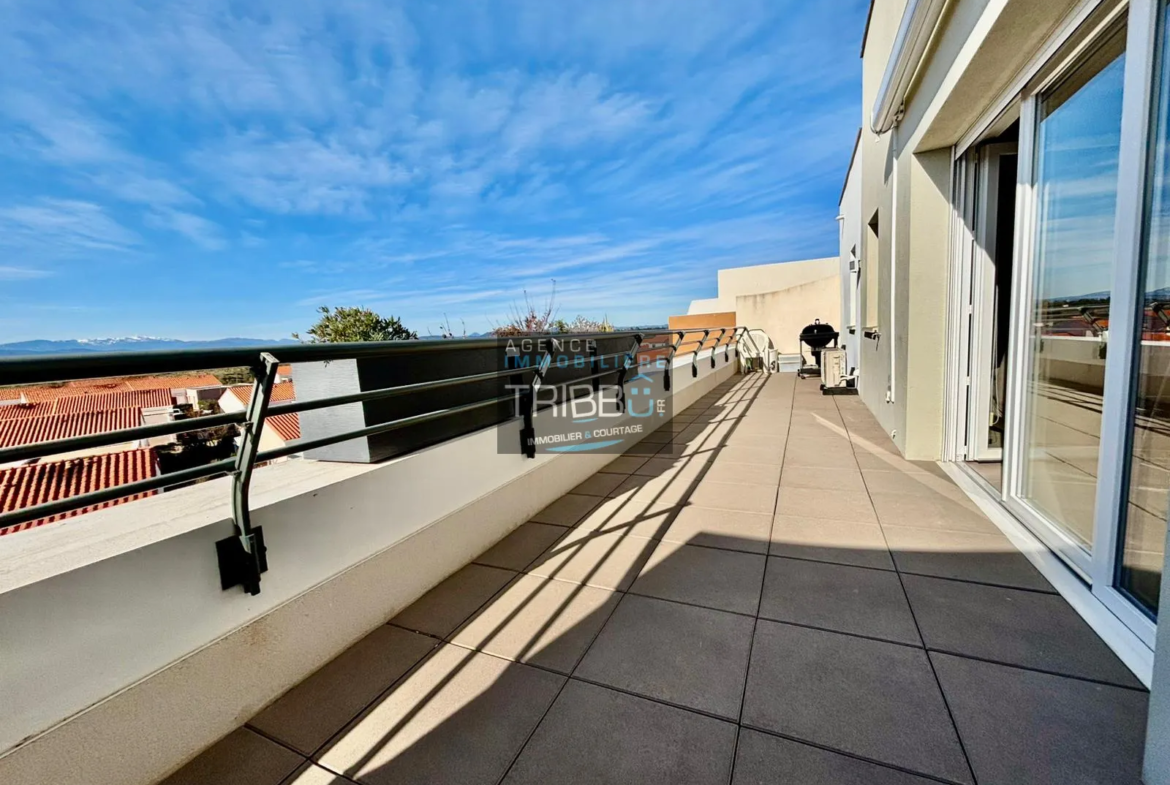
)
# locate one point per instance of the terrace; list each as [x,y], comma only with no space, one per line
[766,592]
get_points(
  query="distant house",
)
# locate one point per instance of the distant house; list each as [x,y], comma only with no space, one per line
[279,429]
[38,483]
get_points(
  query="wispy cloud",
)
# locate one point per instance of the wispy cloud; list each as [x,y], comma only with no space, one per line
[427,158]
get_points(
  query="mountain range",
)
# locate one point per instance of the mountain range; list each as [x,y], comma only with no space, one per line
[136,343]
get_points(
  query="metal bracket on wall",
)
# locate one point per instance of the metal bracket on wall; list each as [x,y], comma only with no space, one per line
[715,348]
[695,356]
[670,360]
[528,406]
[243,558]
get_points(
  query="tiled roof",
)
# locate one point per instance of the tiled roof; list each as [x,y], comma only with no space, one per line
[73,404]
[29,430]
[38,483]
[285,391]
[285,370]
[36,393]
[287,426]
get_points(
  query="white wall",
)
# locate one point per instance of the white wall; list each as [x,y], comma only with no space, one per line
[122,657]
[850,255]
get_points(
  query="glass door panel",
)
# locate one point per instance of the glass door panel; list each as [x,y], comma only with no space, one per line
[1077,143]
[1143,517]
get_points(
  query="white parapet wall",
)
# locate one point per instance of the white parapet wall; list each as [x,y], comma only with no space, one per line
[121,658]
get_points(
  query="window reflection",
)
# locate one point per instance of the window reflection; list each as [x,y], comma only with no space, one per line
[1077,145]
[1143,536]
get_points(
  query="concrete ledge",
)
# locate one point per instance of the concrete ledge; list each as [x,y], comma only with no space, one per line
[123,659]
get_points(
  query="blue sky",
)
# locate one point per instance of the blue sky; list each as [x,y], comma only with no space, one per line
[216,169]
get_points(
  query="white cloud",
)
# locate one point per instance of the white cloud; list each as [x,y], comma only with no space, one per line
[64,226]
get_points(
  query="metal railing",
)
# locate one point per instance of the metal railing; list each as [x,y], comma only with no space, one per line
[242,557]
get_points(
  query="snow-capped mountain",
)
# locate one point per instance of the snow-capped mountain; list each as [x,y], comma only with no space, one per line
[134,343]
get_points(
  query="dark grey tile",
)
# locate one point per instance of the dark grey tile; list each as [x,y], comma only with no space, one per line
[1020,726]
[625,464]
[520,548]
[600,484]
[984,557]
[243,757]
[724,580]
[1012,626]
[596,736]
[688,656]
[567,510]
[461,716]
[837,597]
[761,759]
[310,713]
[445,607]
[869,698]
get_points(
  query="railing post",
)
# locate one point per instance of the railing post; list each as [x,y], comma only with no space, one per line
[593,365]
[670,360]
[715,347]
[528,407]
[243,558]
[631,354]
[695,356]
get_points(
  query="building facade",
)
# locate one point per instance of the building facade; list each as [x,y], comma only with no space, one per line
[1013,295]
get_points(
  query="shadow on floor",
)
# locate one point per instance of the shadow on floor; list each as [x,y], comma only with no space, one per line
[776,596]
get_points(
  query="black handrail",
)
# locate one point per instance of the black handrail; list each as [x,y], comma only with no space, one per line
[247,558]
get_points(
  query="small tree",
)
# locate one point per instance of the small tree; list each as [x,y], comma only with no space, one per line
[350,325]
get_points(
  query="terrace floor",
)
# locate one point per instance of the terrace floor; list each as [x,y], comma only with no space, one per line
[776,596]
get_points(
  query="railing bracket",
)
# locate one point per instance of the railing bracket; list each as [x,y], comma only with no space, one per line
[237,566]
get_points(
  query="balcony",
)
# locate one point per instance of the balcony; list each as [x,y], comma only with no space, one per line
[775,596]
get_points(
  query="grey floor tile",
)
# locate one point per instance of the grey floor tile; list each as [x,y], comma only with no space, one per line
[539,621]
[761,759]
[839,542]
[868,698]
[720,579]
[629,515]
[567,510]
[608,560]
[984,557]
[596,736]
[1012,626]
[688,656]
[738,531]
[624,464]
[461,716]
[522,546]
[733,496]
[856,600]
[445,607]
[243,757]
[840,479]
[600,484]
[743,473]
[310,713]
[930,512]
[768,456]
[825,504]
[1020,726]
[312,774]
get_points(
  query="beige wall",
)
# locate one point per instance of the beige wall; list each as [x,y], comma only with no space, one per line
[783,315]
[761,278]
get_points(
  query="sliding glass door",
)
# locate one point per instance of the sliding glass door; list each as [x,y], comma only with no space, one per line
[1077,137]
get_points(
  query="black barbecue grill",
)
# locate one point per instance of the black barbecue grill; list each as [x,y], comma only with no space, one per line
[816,337]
